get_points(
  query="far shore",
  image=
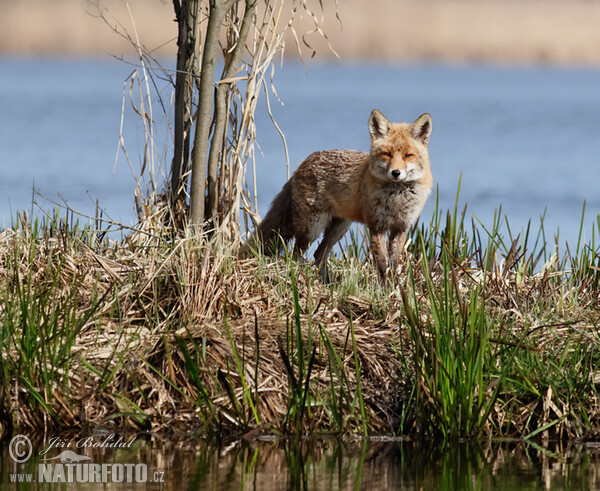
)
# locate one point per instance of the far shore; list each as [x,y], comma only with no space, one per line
[537,31]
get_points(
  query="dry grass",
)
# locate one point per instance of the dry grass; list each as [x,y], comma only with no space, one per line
[144,305]
[532,31]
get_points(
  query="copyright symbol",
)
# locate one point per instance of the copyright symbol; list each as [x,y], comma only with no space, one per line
[20,448]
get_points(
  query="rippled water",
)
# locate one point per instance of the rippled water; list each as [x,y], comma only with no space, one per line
[524,138]
[315,464]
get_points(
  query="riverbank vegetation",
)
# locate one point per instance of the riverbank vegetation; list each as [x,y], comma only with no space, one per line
[481,335]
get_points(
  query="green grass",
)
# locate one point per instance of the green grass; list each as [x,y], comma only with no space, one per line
[39,326]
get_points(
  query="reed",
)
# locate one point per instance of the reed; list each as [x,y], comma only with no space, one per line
[456,382]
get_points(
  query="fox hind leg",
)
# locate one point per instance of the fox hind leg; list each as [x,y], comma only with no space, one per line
[302,243]
[307,227]
[335,230]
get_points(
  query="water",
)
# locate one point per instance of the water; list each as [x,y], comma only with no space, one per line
[59,128]
[524,138]
[315,464]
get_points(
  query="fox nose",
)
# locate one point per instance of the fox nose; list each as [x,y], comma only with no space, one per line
[396,173]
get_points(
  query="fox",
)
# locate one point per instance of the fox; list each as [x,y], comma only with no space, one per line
[385,189]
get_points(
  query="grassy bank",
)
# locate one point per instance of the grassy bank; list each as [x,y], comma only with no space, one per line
[480,335]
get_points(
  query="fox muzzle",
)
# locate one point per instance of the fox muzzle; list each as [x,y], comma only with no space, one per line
[397,174]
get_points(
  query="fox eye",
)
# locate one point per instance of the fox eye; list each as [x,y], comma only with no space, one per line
[409,155]
[387,154]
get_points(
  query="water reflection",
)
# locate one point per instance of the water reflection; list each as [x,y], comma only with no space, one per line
[320,464]
[333,465]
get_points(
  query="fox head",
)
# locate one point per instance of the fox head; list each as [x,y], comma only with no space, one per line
[399,150]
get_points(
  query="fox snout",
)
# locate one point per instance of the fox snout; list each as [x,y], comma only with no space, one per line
[397,174]
[412,172]
[383,170]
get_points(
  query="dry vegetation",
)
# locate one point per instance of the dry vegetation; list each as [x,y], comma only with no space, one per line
[533,31]
[162,333]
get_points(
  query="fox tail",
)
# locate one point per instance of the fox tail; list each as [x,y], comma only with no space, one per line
[276,225]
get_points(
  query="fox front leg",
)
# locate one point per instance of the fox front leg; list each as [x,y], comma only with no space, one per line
[379,251]
[396,249]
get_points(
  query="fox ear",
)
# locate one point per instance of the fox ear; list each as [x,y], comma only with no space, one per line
[421,128]
[378,125]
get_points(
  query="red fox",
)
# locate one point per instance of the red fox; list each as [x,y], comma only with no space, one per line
[385,189]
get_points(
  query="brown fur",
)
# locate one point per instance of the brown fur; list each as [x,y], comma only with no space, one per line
[385,189]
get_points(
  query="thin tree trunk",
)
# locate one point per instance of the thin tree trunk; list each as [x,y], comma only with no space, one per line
[218,141]
[217,13]
[186,13]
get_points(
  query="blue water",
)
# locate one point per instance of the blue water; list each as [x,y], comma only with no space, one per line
[59,127]
[524,138]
